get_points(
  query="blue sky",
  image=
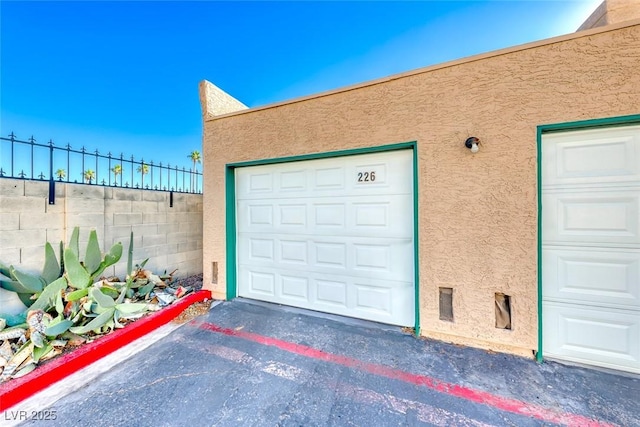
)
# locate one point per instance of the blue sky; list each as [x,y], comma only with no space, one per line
[123,76]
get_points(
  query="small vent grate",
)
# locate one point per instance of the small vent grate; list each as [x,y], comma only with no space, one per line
[503,311]
[214,273]
[446,304]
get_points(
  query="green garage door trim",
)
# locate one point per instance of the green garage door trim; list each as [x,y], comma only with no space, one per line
[230,212]
[559,127]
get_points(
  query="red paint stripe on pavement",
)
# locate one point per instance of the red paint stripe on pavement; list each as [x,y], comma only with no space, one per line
[502,403]
[15,391]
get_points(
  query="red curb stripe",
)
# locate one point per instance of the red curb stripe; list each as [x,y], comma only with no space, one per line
[470,394]
[15,391]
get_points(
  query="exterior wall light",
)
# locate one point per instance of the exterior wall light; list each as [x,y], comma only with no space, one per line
[472,144]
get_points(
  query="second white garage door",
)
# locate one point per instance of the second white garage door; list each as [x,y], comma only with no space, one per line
[591,247]
[333,235]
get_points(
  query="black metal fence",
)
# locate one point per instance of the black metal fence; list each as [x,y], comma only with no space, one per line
[47,162]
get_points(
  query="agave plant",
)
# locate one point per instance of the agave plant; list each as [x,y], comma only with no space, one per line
[78,275]
[72,299]
[26,285]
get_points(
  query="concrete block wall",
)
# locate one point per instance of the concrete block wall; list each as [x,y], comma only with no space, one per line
[171,237]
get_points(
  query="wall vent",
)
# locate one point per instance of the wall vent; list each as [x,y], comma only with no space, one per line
[446,304]
[503,311]
[214,273]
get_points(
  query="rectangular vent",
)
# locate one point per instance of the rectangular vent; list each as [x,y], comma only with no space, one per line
[503,311]
[446,304]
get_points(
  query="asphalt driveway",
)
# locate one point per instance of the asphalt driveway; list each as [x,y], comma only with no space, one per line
[264,365]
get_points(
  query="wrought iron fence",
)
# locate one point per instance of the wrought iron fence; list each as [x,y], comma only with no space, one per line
[47,162]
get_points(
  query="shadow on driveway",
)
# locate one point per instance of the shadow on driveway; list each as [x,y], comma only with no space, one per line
[264,365]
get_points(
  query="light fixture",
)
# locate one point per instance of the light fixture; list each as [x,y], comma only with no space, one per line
[472,144]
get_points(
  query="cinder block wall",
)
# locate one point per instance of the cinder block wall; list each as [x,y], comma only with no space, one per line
[171,237]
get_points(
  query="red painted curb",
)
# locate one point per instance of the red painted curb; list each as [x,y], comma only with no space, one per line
[505,404]
[15,391]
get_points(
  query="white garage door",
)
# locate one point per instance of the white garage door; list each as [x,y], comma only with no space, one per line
[333,235]
[591,247]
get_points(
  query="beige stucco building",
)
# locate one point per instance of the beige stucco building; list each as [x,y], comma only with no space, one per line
[365,201]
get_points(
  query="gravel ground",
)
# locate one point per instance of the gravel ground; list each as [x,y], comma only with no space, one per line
[194,281]
[196,309]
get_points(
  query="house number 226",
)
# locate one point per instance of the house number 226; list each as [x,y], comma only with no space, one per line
[367,176]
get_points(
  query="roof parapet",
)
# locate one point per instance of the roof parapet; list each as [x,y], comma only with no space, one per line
[215,102]
[612,12]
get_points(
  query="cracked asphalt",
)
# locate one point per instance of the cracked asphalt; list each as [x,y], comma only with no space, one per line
[254,364]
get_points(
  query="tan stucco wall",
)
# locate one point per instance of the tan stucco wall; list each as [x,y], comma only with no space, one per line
[612,12]
[215,101]
[478,213]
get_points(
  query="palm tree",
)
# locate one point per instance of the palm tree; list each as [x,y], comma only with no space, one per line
[143,169]
[61,174]
[117,170]
[195,158]
[89,175]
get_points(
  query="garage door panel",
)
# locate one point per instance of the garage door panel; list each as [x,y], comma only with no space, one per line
[293,215]
[372,257]
[602,156]
[294,252]
[380,173]
[261,183]
[332,215]
[329,178]
[329,255]
[384,260]
[293,180]
[371,173]
[389,259]
[358,216]
[332,293]
[295,288]
[591,246]
[604,337]
[260,248]
[261,283]
[259,215]
[593,276]
[596,217]
[332,235]
[388,218]
[372,299]
[371,214]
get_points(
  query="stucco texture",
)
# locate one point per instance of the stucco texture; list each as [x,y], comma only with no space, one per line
[217,101]
[622,10]
[612,12]
[477,213]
